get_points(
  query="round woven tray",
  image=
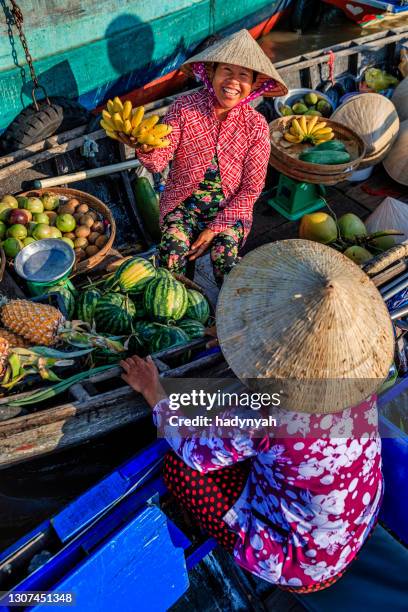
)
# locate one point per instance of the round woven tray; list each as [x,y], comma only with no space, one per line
[309,177]
[94,204]
[288,156]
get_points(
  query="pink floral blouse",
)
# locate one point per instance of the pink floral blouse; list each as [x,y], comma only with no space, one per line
[241,143]
[309,502]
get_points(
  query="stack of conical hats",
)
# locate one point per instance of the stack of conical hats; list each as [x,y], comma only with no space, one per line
[375,119]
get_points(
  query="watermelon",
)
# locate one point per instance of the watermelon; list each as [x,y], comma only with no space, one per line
[165,299]
[135,346]
[86,304]
[133,275]
[198,307]
[193,328]
[146,329]
[138,301]
[114,313]
[66,296]
[167,336]
[163,273]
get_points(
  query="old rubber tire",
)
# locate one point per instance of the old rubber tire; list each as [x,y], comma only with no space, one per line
[74,114]
[305,14]
[31,126]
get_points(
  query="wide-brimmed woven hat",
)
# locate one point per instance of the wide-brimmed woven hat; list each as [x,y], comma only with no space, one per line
[396,162]
[400,99]
[299,318]
[374,118]
[242,50]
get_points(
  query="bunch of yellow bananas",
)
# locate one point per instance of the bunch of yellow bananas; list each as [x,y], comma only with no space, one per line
[121,117]
[308,129]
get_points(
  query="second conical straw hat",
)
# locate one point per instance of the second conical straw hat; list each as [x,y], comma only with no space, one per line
[300,318]
[242,50]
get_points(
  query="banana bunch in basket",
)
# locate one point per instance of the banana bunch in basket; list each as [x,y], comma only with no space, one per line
[121,117]
[308,129]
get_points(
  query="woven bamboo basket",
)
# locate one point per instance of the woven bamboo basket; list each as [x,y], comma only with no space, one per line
[94,204]
[288,156]
[300,175]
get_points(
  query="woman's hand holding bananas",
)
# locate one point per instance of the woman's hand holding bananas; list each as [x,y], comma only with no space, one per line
[126,124]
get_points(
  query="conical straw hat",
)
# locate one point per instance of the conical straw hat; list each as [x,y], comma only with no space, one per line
[373,117]
[299,318]
[242,50]
[396,162]
[400,99]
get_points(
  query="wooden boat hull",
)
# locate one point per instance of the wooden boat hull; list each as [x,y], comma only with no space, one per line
[92,50]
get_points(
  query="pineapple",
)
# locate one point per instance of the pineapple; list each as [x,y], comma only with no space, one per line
[4,351]
[12,339]
[37,323]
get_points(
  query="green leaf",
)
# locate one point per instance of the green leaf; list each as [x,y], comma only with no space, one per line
[44,351]
[44,394]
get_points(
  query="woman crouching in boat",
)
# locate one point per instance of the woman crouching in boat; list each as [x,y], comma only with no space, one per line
[220,149]
[296,502]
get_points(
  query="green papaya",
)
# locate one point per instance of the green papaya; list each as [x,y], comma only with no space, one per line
[148,206]
[325,157]
[330,145]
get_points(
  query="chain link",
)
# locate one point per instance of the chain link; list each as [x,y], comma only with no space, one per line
[19,20]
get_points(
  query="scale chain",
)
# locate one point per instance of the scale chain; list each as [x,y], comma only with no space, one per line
[18,20]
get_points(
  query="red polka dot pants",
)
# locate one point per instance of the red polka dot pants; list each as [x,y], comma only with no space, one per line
[207,497]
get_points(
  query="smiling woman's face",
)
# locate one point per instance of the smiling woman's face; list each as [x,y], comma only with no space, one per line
[231,84]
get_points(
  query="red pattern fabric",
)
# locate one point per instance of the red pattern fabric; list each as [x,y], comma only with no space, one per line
[207,497]
[241,143]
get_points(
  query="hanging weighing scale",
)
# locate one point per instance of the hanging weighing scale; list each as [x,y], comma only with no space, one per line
[293,198]
[45,263]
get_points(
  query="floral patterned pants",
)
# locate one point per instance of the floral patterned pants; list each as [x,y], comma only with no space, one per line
[182,227]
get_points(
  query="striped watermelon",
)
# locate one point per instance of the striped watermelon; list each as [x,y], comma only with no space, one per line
[193,329]
[198,307]
[166,299]
[134,346]
[146,329]
[86,304]
[114,313]
[163,273]
[67,298]
[134,274]
[166,337]
[138,301]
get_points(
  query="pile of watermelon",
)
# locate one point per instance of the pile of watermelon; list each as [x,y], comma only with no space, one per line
[148,305]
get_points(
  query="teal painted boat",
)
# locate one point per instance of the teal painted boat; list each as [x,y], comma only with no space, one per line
[90,50]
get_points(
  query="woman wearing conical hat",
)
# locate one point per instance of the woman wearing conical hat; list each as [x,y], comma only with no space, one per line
[294,502]
[220,149]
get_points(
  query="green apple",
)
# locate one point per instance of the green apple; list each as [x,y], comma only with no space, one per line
[34,205]
[3,229]
[50,201]
[65,223]
[68,241]
[11,200]
[55,233]
[41,218]
[28,240]
[18,231]
[5,210]
[22,201]
[12,246]
[31,227]
[41,231]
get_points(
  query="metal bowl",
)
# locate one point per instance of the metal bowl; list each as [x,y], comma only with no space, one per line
[293,94]
[45,261]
